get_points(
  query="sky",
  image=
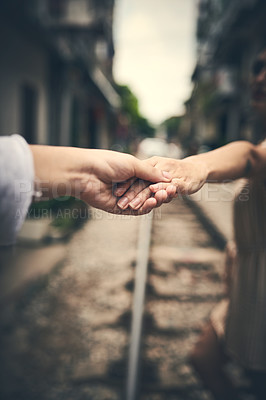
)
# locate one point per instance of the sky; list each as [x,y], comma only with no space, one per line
[155,53]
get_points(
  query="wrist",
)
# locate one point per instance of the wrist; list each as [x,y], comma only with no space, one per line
[78,171]
[201,165]
[60,171]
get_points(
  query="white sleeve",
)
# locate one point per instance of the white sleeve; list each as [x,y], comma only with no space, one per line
[16,185]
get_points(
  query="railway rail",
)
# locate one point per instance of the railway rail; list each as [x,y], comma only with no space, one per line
[159,341]
[91,331]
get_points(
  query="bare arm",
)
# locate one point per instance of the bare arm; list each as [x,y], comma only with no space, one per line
[233,161]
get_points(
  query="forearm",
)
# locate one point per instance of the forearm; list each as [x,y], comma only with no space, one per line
[233,161]
[58,170]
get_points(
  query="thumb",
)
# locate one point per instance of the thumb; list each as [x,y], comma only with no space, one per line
[149,173]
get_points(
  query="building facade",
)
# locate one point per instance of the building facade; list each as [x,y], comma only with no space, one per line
[229,35]
[56,80]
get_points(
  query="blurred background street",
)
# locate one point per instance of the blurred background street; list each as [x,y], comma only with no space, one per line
[149,78]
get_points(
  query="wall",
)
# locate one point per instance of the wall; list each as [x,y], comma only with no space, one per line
[22,62]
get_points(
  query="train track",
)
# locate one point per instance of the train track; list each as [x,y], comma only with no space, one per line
[101,330]
[182,268]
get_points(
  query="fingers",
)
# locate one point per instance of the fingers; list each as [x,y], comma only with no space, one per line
[135,196]
[143,171]
[147,172]
[139,196]
[169,187]
[151,202]
[176,186]
[165,193]
[121,188]
[171,192]
[148,205]
[161,197]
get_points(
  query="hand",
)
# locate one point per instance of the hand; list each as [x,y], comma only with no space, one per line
[89,174]
[188,177]
[109,168]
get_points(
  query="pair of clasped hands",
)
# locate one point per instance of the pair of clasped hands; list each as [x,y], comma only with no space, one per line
[114,182]
[137,196]
[135,187]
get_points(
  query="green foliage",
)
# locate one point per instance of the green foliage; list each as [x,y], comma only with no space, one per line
[144,127]
[53,205]
[66,212]
[129,101]
[130,107]
[172,125]
[206,97]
